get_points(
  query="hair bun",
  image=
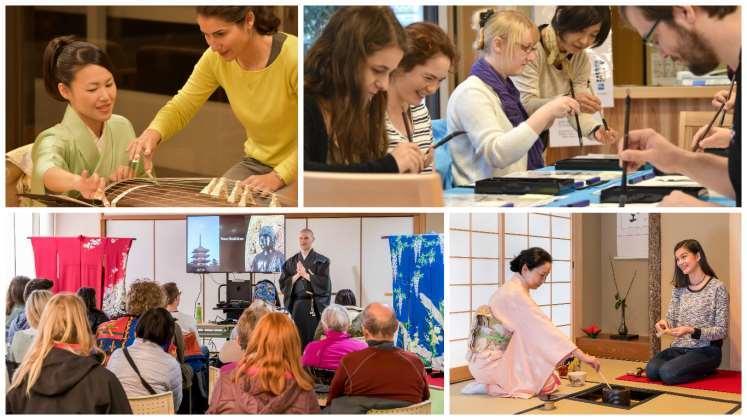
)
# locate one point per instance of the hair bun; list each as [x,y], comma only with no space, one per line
[485,16]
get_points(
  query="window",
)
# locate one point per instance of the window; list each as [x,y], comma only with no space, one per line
[482,246]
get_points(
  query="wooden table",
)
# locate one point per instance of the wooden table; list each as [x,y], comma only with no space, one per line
[604,346]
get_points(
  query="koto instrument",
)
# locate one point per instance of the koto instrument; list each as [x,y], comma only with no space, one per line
[170,192]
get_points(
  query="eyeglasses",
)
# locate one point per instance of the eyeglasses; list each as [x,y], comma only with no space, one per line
[647,38]
[528,49]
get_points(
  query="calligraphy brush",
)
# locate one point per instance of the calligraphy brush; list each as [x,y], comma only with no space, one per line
[728,96]
[710,125]
[448,138]
[578,124]
[626,129]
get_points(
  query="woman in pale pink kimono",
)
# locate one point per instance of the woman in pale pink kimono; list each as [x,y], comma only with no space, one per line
[515,347]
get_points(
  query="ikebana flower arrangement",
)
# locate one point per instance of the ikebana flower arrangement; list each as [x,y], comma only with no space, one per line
[592,331]
[621,302]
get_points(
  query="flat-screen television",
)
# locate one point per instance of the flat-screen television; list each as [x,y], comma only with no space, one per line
[235,244]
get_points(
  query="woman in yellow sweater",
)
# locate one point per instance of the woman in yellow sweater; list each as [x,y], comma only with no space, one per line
[257,66]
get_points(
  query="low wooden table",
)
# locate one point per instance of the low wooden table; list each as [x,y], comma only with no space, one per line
[603,346]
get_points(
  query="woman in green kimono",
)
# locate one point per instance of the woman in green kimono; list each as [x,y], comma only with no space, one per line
[89,147]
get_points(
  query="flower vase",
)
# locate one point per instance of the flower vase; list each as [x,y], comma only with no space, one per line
[622,329]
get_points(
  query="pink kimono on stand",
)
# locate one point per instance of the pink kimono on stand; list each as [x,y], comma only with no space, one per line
[527,366]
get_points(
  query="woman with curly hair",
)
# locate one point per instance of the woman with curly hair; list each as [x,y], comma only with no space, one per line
[142,296]
[426,63]
[257,66]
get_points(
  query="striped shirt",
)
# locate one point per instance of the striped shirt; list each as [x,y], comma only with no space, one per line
[707,309]
[421,131]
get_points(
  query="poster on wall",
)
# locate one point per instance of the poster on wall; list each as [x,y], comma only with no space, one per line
[632,235]
[600,82]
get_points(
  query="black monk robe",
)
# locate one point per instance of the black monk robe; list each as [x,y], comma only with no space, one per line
[301,296]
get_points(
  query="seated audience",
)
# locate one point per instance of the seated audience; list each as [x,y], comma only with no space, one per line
[59,375]
[327,352]
[148,362]
[173,299]
[142,296]
[96,316]
[186,323]
[381,376]
[14,301]
[269,378]
[234,349]
[20,322]
[346,298]
[23,339]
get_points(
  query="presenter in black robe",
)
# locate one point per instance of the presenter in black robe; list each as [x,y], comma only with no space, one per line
[306,286]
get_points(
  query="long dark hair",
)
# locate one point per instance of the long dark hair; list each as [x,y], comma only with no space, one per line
[680,279]
[64,56]
[89,297]
[15,293]
[332,72]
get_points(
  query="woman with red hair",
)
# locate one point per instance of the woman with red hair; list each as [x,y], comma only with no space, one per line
[269,378]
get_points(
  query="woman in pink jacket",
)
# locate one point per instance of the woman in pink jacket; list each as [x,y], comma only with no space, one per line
[327,352]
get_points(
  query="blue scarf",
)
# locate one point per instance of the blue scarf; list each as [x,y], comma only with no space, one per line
[512,107]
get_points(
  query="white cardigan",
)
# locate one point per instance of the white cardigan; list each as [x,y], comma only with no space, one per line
[492,145]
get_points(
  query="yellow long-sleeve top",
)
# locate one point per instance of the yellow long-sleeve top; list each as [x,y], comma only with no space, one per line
[264,101]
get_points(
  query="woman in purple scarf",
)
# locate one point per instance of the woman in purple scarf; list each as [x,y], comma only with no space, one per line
[501,137]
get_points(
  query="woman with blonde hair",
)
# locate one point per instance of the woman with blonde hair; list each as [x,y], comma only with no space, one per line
[23,339]
[500,136]
[58,374]
[269,378]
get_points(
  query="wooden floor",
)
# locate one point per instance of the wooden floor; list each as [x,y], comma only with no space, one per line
[676,400]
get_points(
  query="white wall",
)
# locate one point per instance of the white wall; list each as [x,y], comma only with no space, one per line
[21,225]
[359,256]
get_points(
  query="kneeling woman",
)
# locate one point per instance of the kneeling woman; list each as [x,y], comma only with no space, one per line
[346,76]
[529,345]
[698,319]
[501,137]
[77,156]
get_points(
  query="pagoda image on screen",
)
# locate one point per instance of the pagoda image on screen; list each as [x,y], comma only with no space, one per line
[201,262]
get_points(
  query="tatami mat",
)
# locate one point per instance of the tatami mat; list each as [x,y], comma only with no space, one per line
[678,401]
